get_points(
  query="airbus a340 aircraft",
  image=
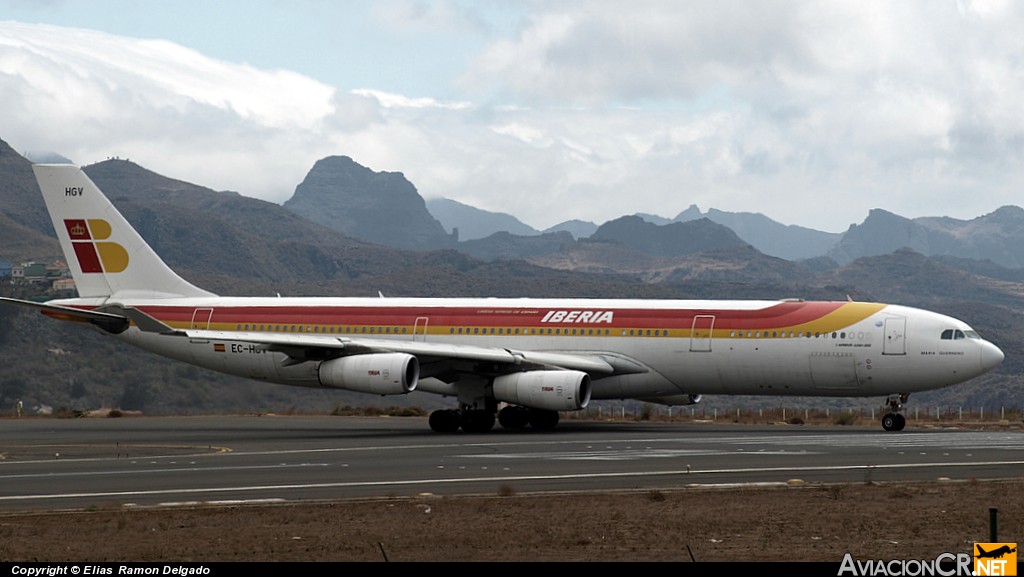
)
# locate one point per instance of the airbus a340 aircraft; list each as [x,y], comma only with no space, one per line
[534,356]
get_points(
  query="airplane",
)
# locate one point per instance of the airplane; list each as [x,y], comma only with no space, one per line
[996,553]
[520,361]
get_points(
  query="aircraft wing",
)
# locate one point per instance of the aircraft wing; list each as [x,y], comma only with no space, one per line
[309,347]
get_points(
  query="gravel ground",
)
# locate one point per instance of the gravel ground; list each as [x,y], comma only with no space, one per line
[794,523]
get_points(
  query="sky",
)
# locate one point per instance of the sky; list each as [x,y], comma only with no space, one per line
[811,113]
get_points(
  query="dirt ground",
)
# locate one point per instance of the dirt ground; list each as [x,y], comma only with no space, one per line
[795,523]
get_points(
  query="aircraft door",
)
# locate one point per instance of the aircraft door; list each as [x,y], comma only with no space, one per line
[700,333]
[895,336]
[419,329]
[201,319]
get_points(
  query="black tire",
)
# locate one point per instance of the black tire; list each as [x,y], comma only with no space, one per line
[890,422]
[444,421]
[901,422]
[477,421]
[543,420]
[513,417]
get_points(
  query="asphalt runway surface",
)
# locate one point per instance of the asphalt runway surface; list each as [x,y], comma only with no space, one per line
[57,464]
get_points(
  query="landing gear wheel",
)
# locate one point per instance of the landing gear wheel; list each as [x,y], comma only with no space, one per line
[543,420]
[477,421]
[513,417]
[444,421]
[894,422]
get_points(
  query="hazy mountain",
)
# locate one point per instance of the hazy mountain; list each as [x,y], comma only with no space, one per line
[740,265]
[768,236]
[475,223]
[997,237]
[980,268]
[378,207]
[503,245]
[655,219]
[20,200]
[47,158]
[882,232]
[577,228]
[26,232]
[224,233]
[674,239]
[18,243]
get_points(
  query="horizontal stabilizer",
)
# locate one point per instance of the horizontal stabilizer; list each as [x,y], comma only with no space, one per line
[110,322]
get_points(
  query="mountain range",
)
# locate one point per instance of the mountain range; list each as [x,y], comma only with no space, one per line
[348,230]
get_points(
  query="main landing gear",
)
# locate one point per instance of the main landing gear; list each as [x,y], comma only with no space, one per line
[480,421]
[894,420]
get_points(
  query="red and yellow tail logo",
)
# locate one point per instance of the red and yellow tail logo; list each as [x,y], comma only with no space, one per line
[94,255]
[995,558]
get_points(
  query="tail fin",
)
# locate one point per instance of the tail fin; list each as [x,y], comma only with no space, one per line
[106,255]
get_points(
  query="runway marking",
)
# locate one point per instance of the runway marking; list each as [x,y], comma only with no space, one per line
[959,440]
[506,479]
[168,470]
[630,454]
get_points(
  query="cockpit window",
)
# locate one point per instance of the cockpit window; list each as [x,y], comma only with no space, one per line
[947,335]
[957,334]
[972,335]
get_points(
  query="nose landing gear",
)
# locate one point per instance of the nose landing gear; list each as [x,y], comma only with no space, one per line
[894,420]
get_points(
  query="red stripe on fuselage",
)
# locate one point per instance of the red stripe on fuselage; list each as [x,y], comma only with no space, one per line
[774,316]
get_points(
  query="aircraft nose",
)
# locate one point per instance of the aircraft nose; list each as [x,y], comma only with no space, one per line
[991,356]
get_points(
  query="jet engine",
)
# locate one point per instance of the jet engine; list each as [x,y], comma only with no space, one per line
[552,390]
[380,374]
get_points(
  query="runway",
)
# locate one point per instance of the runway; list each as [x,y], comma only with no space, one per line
[48,464]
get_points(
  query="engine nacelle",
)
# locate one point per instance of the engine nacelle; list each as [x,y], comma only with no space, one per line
[380,374]
[551,390]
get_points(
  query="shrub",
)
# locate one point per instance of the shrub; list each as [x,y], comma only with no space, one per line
[844,418]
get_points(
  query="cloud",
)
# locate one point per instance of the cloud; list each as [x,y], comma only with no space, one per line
[810,113]
[847,100]
[90,95]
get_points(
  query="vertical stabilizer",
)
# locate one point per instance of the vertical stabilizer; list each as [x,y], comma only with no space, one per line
[107,257]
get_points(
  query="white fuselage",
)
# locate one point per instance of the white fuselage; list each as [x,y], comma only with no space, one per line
[683,347]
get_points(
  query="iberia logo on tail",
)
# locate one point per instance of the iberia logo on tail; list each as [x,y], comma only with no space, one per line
[95,255]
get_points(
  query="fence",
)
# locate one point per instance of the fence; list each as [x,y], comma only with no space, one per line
[858,415]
